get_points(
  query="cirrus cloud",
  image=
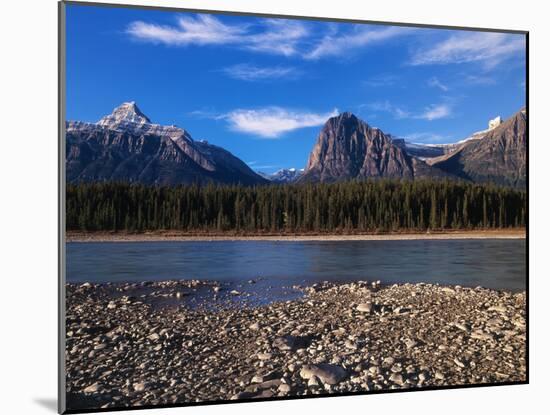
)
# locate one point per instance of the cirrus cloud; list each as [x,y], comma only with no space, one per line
[200,30]
[384,80]
[435,112]
[247,72]
[436,83]
[273,36]
[488,48]
[429,113]
[363,35]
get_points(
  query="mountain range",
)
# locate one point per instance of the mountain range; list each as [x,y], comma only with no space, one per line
[285,175]
[126,146]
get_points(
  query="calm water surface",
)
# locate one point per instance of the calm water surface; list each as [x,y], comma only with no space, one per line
[492,263]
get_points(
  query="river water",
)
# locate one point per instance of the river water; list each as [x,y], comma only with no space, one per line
[492,263]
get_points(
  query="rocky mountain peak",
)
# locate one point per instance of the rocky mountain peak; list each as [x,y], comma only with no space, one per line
[128,113]
[343,118]
[347,124]
[348,148]
[346,115]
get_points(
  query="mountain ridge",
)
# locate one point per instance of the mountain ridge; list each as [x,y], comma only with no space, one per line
[499,157]
[126,146]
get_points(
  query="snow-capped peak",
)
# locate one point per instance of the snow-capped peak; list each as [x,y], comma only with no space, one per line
[124,114]
[286,175]
[127,117]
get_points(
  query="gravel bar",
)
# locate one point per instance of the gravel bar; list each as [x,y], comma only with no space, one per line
[147,344]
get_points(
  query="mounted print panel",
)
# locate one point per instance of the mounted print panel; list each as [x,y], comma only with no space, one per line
[274,207]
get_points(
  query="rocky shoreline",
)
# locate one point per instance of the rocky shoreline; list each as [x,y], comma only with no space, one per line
[163,236]
[145,344]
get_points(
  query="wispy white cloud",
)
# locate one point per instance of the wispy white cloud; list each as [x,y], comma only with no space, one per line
[337,44]
[479,80]
[386,106]
[436,83]
[278,36]
[272,122]
[246,72]
[272,36]
[490,49]
[435,112]
[381,81]
[429,113]
[199,30]
[203,113]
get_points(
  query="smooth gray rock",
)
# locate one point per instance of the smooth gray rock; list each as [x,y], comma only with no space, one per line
[327,373]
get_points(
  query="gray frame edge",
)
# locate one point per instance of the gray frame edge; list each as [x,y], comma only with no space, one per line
[287,16]
[61,301]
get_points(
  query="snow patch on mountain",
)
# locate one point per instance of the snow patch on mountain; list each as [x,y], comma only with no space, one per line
[425,151]
[128,117]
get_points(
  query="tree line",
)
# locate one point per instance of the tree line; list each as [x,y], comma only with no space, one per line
[355,206]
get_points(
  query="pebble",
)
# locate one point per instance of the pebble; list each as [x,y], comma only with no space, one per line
[92,388]
[153,337]
[410,343]
[462,327]
[364,307]
[350,345]
[397,378]
[313,381]
[207,347]
[284,388]
[139,387]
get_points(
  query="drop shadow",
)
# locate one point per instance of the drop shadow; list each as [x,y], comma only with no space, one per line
[48,403]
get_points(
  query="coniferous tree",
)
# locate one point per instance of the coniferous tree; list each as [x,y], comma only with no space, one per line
[355,206]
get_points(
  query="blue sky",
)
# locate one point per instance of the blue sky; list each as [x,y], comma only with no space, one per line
[262,88]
